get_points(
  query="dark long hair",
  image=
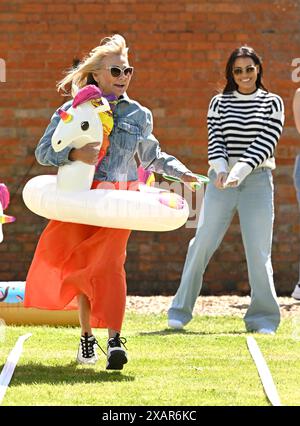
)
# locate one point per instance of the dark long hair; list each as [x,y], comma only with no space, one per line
[242,52]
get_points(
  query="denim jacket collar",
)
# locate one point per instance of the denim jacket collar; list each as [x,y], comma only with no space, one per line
[124,98]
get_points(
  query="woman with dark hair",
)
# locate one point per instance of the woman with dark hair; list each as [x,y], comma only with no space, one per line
[242,52]
[244,126]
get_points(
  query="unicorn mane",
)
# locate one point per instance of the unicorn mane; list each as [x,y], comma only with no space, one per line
[4,196]
[86,94]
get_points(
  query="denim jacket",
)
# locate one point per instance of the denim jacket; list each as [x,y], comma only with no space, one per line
[131,134]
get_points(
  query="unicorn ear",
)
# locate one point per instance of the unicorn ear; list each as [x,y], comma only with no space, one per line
[104,107]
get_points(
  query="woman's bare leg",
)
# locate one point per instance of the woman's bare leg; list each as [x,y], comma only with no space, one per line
[84,314]
[112,333]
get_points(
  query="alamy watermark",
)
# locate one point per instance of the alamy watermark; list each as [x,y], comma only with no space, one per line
[296,71]
[166,202]
[2,71]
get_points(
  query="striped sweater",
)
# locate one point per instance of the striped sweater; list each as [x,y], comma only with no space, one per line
[243,131]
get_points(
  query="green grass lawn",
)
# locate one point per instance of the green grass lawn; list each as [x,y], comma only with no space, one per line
[206,364]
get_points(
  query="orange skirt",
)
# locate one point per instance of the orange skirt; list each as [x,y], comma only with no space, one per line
[72,259]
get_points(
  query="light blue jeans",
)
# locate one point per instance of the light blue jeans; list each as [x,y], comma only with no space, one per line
[297,177]
[297,187]
[253,200]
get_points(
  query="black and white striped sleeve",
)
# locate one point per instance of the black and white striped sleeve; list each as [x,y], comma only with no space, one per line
[217,152]
[263,147]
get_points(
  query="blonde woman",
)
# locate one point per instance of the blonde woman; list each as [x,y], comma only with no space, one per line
[87,262]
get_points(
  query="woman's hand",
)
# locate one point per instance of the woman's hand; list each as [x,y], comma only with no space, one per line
[220,180]
[231,184]
[87,154]
[189,180]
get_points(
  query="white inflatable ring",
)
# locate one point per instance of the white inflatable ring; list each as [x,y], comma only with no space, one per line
[149,209]
[67,197]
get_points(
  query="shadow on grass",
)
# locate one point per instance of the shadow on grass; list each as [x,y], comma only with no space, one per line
[68,374]
[284,306]
[167,331]
[240,307]
[289,306]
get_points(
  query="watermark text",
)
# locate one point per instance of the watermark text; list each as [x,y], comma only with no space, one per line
[296,71]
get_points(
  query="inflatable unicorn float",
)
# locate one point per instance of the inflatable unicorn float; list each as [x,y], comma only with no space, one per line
[68,196]
[4,202]
[7,292]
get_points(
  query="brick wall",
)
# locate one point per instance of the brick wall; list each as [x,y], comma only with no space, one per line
[179,50]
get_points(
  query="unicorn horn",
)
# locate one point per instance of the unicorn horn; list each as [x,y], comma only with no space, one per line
[65,116]
[6,219]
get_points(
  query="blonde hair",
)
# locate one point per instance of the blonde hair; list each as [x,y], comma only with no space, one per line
[78,77]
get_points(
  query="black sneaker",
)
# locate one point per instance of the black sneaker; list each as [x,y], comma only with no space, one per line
[86,351]
[116,355]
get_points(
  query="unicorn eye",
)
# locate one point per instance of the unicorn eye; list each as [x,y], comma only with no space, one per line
[85,125]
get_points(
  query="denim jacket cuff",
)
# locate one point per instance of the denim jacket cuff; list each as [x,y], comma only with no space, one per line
[63,157]
[179,172]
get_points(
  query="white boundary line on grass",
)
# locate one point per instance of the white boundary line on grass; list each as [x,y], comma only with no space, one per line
[10,365]
[263,371]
